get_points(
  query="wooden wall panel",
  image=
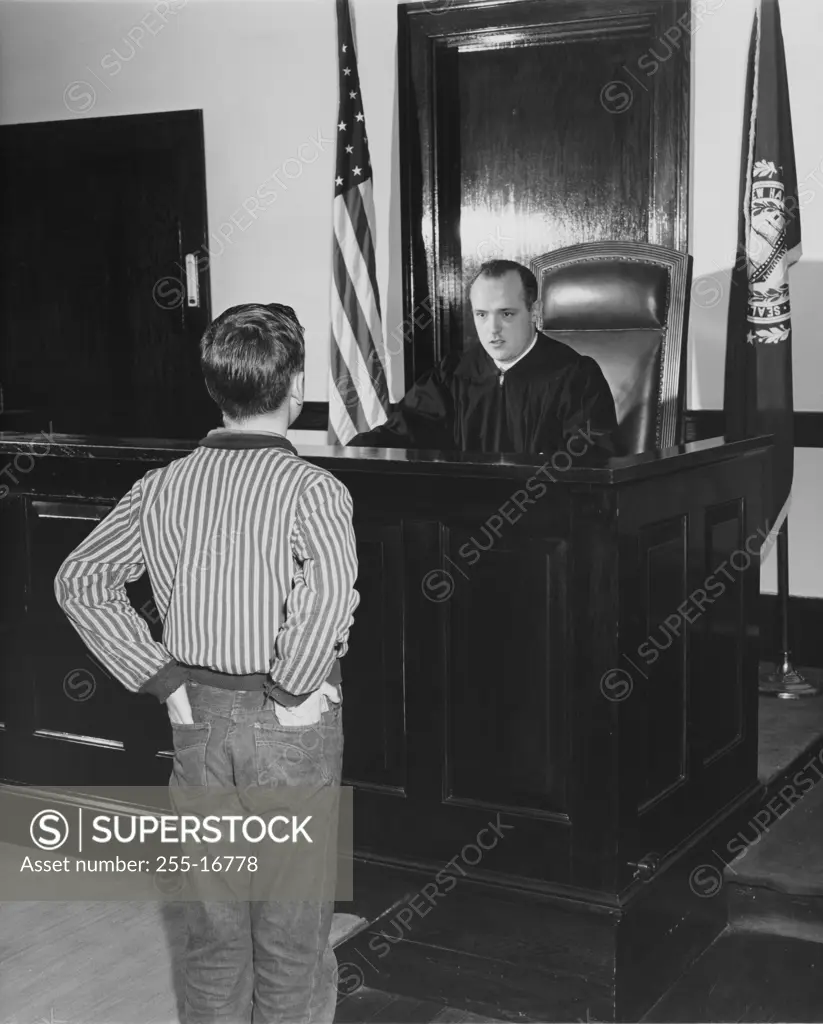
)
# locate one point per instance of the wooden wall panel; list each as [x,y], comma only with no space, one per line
[723,626]
[15,649]
[373,669]
[661,698]
[76,696]
[535,176]
[510,747]
[528,125]
[576,784]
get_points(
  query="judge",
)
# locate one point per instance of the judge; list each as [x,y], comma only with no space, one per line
[518,391]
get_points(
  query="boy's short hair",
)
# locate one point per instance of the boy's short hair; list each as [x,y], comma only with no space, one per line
[249,356]
[498,268]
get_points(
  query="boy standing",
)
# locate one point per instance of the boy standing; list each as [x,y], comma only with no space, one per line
[251,556]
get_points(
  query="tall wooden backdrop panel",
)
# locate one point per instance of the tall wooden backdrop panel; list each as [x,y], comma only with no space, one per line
[97,334]
[531,125]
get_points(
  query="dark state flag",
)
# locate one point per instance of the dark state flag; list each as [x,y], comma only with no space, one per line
[758,395]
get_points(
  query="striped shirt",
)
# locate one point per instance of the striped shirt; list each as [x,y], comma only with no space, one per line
[251,556]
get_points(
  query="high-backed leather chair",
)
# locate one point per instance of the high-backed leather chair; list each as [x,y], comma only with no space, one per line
[625,304]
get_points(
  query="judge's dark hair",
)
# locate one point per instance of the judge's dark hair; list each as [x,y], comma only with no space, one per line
[249,356]
[497,268]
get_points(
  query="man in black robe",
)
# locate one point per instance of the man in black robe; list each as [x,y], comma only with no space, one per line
[517,391]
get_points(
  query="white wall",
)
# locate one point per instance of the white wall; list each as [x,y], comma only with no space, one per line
[264,73]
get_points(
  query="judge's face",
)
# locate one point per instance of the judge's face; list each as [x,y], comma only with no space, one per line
[502,318]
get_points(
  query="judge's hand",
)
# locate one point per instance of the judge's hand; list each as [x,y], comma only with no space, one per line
[179,707]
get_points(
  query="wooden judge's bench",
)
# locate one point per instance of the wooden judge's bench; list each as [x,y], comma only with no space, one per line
[546,723]
[550,705]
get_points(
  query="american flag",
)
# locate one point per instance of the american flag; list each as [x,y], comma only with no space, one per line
[358,394]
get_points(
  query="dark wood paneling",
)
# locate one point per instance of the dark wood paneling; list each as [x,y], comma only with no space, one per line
[535,171]
[595,719]
[373,671]
[722,595]
[315,416]
[708,670]
[83,723]
[75,694]
[545,908]
[97,332]
[659,703]
[698,424]
[528,958]
[512,958]
[526,126]
[511,748]
[449,709]
[16,689]
[704,423]
[526,636]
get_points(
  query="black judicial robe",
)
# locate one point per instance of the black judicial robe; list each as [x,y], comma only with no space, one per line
[466,404]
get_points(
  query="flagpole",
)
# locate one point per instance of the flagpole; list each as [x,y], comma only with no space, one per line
[785,682]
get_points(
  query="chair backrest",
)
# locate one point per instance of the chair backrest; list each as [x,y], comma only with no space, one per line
[625,304]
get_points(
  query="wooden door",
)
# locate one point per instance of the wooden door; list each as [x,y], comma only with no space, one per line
[528,125]
[98,336]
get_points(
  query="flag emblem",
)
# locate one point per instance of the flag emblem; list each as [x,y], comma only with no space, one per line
[769,310]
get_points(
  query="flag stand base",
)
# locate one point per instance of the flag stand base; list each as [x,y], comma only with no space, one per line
[786,682]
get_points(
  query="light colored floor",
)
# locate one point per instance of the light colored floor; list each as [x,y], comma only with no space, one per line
[94,963]
[89,963]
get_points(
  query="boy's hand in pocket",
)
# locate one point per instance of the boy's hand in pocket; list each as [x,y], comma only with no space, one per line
[307,713]
[179,707]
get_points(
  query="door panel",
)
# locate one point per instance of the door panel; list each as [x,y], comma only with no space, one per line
[97,335]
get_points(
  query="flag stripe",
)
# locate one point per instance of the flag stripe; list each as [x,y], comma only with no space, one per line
[358,203]
[358,369]
[346,279]
[358,391]
[343,398]
[344,412]
[361,334]
[352,254]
